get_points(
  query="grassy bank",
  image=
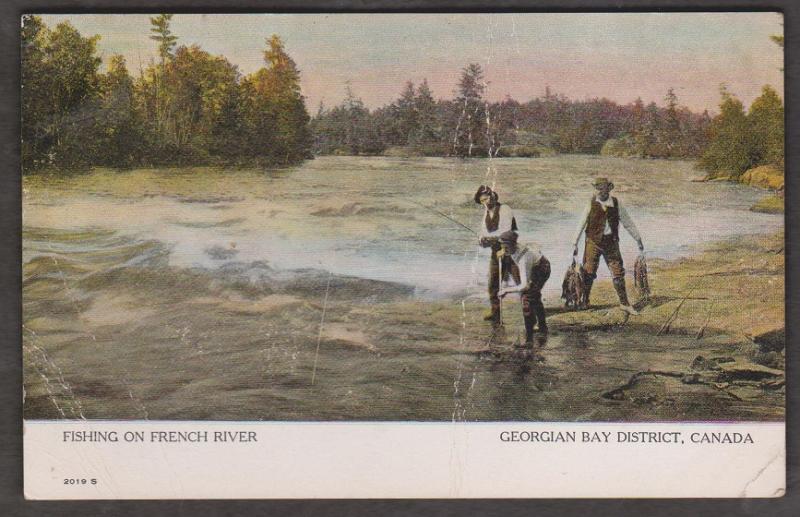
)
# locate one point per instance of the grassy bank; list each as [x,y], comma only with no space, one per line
[766,177]
[731,291]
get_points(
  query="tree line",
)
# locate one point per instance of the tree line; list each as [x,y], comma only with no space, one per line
[743,140]
[186,108]
[469,125]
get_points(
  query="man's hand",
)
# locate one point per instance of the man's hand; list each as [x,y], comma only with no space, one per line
[488,242]
[641,245]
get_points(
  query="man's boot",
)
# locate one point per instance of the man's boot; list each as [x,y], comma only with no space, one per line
[540,318]
[622,293]
[493,315]
[587,290]
[530,321]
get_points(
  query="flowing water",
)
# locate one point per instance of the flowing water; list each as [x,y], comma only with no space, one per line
[326,291]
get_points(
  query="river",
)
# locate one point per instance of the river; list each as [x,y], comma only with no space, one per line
[313,292]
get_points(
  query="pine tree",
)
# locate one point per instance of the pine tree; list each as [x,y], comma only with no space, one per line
[471,127]
[670,134]
[766,125]
[279,116]
[161,33]
[729,152]
[121,132]
[406,114]
[426,134]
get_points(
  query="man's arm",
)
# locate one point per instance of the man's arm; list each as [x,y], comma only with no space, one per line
[504,225]
[523,276]
[581,226]
[483,232]
[627,222]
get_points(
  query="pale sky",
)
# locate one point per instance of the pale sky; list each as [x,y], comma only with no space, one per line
[617,56]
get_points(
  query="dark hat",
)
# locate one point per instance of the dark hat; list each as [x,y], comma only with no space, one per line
[484,190]
[508,237]
[599,182]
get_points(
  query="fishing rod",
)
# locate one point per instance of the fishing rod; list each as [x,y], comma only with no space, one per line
[462,225]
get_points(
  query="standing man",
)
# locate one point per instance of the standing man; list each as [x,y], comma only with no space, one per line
[534,270]
[601,220]
[497,219]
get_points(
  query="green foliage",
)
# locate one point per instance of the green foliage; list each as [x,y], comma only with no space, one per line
[189,108]
[416,124]
[469,135]
[120,132]
[671,132]
[741,141]
[349,128]
[60,88]
[766,126]
[729,152]
[162,34]
[277,116]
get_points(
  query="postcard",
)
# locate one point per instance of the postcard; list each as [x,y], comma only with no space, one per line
[509,255]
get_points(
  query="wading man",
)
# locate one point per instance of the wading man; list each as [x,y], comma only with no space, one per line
[534,270]
[601,220]
[497,219]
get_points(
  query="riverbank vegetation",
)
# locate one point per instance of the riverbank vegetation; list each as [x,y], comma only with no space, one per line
[747,146]
[187,108]
[471,126]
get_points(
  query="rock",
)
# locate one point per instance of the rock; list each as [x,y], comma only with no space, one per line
[772,341]
[774,384]
[701,363]
[220,253]
[747,371]
[765,176]
[718,360]
[769,359]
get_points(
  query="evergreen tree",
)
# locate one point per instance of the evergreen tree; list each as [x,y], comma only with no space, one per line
[406,114]
[646,137]
[730,149]
[120,135]
[766,125]
[426,132]
[471,127]
[161,33]
[279,117]
[670,135]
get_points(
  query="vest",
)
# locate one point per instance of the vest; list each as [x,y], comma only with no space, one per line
[596,223]
[492,220]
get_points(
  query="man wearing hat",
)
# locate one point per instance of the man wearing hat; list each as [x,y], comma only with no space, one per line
[601,220]
[534,270]
[497,219]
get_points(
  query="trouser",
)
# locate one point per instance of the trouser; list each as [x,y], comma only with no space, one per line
[508,269]
[608,248]
[532,306]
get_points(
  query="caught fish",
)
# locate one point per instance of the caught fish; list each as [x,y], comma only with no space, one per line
[640,280]
[573,290]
